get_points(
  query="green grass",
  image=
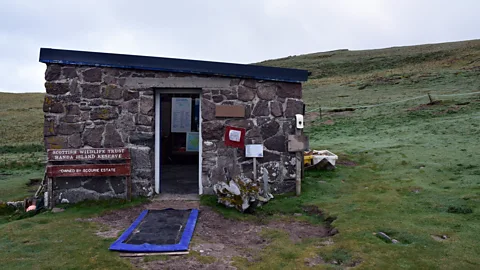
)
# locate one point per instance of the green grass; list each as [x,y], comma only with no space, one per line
[418,173]
[13,184]
[21,118]
[61,240]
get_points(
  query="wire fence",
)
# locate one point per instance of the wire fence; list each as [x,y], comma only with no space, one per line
[430,96]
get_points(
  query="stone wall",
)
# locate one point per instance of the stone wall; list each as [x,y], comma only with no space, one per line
[107,107]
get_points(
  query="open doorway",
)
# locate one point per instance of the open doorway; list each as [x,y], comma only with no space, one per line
[179,140]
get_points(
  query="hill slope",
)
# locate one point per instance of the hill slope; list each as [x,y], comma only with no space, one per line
[21,118]
[344,78]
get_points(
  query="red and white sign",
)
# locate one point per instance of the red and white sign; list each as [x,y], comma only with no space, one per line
[235,137]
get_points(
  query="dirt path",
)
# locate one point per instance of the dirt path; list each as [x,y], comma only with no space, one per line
[216,241]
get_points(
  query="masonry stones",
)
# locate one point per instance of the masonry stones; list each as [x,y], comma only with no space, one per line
[92,75]
[95,107]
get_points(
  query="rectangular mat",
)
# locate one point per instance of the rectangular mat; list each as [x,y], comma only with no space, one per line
[158,231]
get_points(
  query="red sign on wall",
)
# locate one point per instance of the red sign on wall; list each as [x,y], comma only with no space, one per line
[235,137]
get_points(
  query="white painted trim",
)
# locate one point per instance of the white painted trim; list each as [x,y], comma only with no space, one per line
[157,141]
[200,145]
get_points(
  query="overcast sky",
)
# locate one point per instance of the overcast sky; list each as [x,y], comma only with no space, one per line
[244,31]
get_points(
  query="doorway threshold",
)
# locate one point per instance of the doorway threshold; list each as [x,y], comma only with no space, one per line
[176,197]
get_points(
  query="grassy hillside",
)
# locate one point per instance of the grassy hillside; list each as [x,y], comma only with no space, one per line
[346,78]
[21,118]
[409,169]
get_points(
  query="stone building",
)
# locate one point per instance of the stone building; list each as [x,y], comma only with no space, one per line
[100,100]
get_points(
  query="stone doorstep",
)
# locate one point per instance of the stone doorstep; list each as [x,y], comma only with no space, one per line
[175,197]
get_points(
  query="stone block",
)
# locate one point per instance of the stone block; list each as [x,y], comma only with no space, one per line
[269,157]
[70,128]
[125,122]
[146,92]
[229,94]
[51,105]
[267,91]
[69,72]
[104,113]
[261,120]
[53,88]
[240,123]
[112,138]
[143,120]
[90,91]
[141,157]
[112,92]
[143,74]
[72,109]
[289,163]
[209,146]
[208,110]
[143,173]
[142,138]
[56,142]
[218,98]
[288,127]
[115,103]
[130,94]
[49,126]
[109,79]
[146,105]
[71,119]
[235,82]
[261,108]
[97,102]
[93,136]
[212,130]
[250,83]
[131,106]
[276,143]
[67,183]
[289,90]
[75,141]
[92,75]
[253,136]
[245,93]
[97,184]
[276,108]
[144,129]
[117,184]
[53,72]
[293,107]
[269,129]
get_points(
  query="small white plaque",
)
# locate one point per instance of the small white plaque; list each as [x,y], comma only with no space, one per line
[234,135]
[254,150]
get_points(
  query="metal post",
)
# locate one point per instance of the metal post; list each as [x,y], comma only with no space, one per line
[254,169]
[298,174]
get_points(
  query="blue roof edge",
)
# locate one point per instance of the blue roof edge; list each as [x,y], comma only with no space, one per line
[70,57]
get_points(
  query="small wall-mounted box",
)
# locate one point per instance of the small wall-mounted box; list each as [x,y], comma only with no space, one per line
[299,121]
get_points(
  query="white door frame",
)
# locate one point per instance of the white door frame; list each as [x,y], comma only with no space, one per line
[158,118]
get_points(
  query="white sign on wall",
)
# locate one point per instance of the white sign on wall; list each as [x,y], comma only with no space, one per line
[181,114]
[254,150]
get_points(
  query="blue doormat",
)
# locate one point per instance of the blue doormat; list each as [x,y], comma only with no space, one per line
[158,231]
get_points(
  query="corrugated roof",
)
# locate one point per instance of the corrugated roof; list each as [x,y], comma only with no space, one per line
[69,57]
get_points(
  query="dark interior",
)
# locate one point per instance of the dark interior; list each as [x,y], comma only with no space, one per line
[178,160]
